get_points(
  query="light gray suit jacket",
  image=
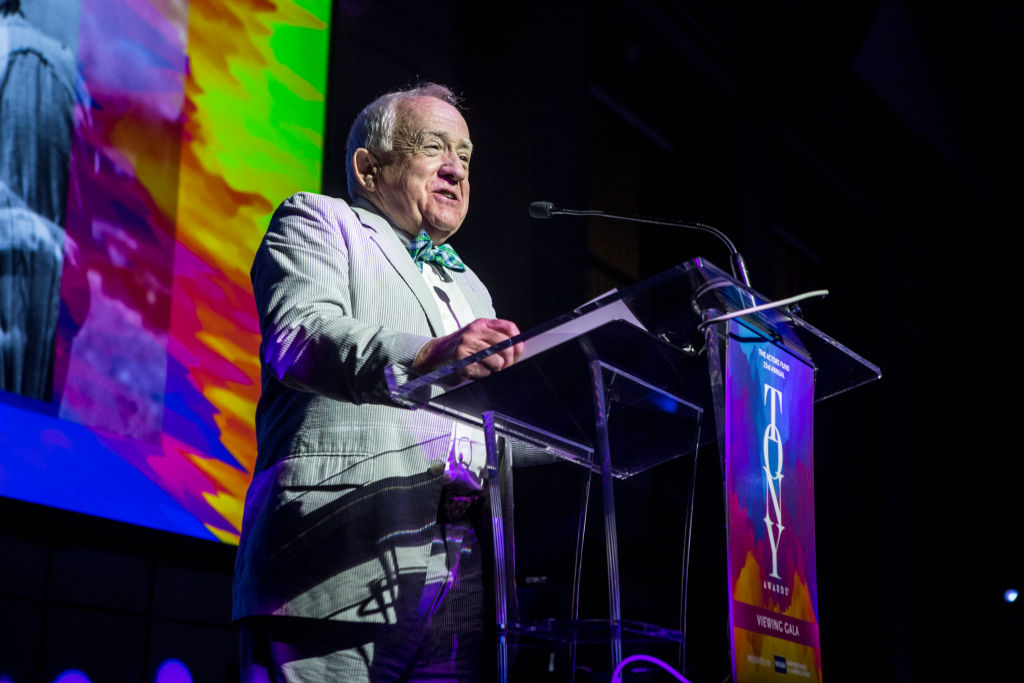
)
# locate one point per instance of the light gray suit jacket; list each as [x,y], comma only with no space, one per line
[342,507]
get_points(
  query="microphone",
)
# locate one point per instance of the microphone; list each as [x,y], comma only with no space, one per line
[544,210]
[541,209]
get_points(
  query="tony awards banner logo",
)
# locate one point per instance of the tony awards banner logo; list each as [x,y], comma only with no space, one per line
[768,433]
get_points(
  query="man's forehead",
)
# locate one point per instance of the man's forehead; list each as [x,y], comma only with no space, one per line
[431,116]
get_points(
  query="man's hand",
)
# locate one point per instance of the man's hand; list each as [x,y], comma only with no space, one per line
[474,337]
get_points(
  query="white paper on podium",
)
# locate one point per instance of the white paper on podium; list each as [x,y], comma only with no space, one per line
[616,310]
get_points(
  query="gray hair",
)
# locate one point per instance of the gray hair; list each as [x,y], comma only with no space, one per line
[374,128]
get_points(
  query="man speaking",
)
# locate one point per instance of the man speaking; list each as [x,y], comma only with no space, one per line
[359,557]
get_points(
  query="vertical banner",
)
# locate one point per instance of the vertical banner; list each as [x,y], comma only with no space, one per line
[769,479]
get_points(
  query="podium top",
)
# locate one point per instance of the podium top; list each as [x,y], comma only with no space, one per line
[674,307]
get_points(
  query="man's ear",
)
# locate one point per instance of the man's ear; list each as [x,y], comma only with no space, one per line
[365,167]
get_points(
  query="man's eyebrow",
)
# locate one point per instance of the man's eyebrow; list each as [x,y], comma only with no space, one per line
[461,143]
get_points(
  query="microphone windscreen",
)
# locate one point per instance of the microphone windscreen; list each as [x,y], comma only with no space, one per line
[541,209]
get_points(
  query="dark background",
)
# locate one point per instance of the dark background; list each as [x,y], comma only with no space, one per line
[870,148]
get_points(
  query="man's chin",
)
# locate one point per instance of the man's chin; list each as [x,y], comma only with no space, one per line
[441,231]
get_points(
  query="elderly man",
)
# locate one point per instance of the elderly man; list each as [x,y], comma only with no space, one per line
[359,557]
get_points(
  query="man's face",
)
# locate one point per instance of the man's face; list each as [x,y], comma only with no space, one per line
[424,183]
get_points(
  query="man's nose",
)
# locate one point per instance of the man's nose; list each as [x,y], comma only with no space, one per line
[453,169]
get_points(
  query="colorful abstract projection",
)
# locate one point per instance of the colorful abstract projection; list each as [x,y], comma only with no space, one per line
[192,121]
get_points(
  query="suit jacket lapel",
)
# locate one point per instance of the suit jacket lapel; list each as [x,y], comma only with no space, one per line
[395,252]
[477,300]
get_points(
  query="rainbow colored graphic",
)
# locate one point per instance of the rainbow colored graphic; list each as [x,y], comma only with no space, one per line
[193,121]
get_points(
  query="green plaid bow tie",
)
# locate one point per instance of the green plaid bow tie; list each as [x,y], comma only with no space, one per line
[423,251]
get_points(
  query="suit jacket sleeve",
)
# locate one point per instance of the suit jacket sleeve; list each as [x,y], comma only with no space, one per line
[312,339]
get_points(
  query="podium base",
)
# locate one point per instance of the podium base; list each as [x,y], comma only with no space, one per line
[593,631]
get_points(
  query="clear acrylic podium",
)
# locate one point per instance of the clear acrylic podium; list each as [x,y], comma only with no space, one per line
[614,388]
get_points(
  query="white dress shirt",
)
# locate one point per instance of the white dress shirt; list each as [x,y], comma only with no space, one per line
[467,456]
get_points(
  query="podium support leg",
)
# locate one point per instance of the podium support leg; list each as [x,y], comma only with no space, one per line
[611,539]
[498,533]
[577,575]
